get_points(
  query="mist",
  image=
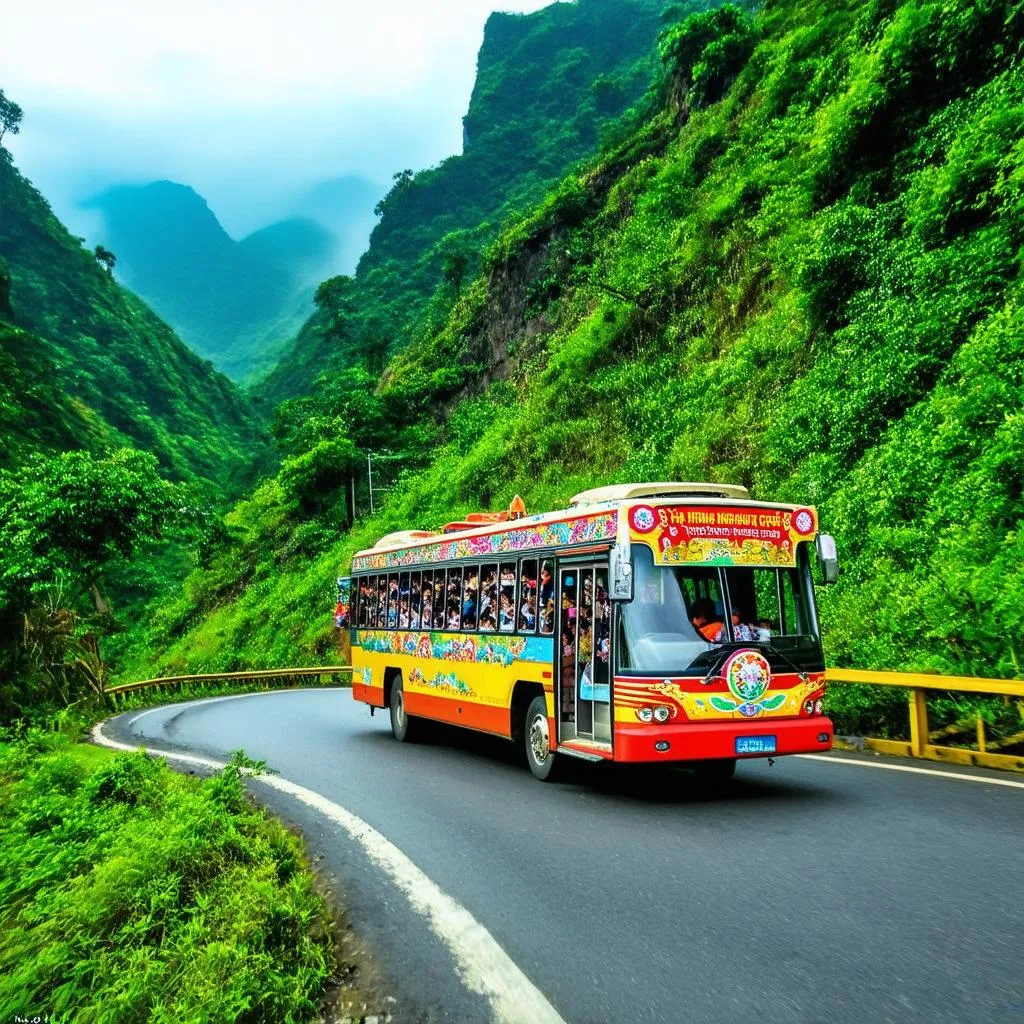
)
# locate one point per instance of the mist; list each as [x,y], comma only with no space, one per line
[251,106]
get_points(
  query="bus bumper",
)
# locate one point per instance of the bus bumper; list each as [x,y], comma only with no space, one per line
[697,741]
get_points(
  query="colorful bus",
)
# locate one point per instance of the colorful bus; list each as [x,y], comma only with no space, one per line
[661,622]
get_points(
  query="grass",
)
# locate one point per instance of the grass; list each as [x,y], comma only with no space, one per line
[131,893]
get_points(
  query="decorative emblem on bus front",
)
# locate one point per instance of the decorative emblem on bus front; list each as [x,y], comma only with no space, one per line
[748,675]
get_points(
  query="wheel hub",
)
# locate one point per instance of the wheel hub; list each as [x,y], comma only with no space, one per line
[399,709]
[540,744]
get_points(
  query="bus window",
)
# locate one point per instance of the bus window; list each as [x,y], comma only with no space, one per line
[382,602]
[527,616]
[546,597]
[489,597]
[453,599]
[437,620]
[414,600]
[392,613]
[507,597]
[470,596]
[769,604]
[403,600]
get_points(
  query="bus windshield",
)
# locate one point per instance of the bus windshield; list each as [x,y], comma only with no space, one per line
[680,615]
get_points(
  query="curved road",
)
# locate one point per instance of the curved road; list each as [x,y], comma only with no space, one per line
[811,891]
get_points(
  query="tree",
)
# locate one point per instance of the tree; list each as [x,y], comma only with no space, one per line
[65,522]
[106,258]
[10,116]
[73,515]
[334,300]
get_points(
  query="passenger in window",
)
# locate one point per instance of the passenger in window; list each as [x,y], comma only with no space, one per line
[487,622]
[506,614]
[706,621]
[454,616]
[428,605]
[741,631]
[528,613]
[764,630]
[403,613]
[547,584]
[414,618]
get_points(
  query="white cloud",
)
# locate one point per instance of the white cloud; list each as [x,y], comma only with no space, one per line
[243,99]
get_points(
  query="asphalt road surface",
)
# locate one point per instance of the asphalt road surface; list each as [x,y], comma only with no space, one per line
[811,891]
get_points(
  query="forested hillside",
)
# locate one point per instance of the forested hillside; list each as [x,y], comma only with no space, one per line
[235,303]
[117,441]
[801,271]
[87,364]
[548,84]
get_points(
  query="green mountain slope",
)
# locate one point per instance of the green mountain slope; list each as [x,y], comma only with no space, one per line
[87,364]
[547,85]
[235,303]
[802,272]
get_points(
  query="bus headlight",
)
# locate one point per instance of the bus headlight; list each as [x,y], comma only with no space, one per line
[819,706]
[661,714]
[644,714]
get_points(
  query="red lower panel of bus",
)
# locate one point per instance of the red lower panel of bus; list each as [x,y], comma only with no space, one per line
[471,715]
[698,740]
[368,694]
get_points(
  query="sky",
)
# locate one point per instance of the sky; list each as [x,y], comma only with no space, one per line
[250,102]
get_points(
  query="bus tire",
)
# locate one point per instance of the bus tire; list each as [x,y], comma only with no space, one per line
[543,761]
[716,772]
[403,728]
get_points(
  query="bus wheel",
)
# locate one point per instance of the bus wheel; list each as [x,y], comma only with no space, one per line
[403,728]
[716,771]
[539,755]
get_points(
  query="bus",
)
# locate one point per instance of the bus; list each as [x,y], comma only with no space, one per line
[659,622]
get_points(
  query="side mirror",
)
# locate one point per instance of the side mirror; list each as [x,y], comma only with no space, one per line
[828,557]
[620,574]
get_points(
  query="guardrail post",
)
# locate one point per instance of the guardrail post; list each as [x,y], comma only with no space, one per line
[918,722]
[981,735]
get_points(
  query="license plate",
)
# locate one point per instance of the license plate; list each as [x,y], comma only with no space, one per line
[755,744]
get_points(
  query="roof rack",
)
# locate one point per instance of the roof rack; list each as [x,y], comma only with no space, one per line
[626,492]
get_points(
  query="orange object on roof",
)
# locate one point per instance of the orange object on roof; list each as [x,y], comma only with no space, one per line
[474,519]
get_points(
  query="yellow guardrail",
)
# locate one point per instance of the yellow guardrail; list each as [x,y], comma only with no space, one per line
[920,743]
[917,683]
[219,677]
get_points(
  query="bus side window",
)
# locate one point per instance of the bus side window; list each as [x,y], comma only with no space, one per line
[526,617]
[438,600]
[414,600]
[470,596]
[546,597]
[403,600]
[489,597]
[382,602]
[453,599]
[507,597]
[392,619]
[357,602]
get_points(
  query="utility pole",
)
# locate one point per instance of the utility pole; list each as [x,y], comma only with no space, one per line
[369,473]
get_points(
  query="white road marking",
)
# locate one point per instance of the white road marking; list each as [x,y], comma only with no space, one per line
[234,696]
[909,768]
[484,967]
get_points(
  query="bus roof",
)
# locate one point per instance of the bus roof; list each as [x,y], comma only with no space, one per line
[598,503]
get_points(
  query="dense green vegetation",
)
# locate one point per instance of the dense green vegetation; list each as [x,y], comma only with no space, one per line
[548,85]
[101,407]
[131,893]
[235,303]
[103,359]
[800,269]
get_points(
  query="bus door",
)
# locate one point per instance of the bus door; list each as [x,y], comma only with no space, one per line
[583,652]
